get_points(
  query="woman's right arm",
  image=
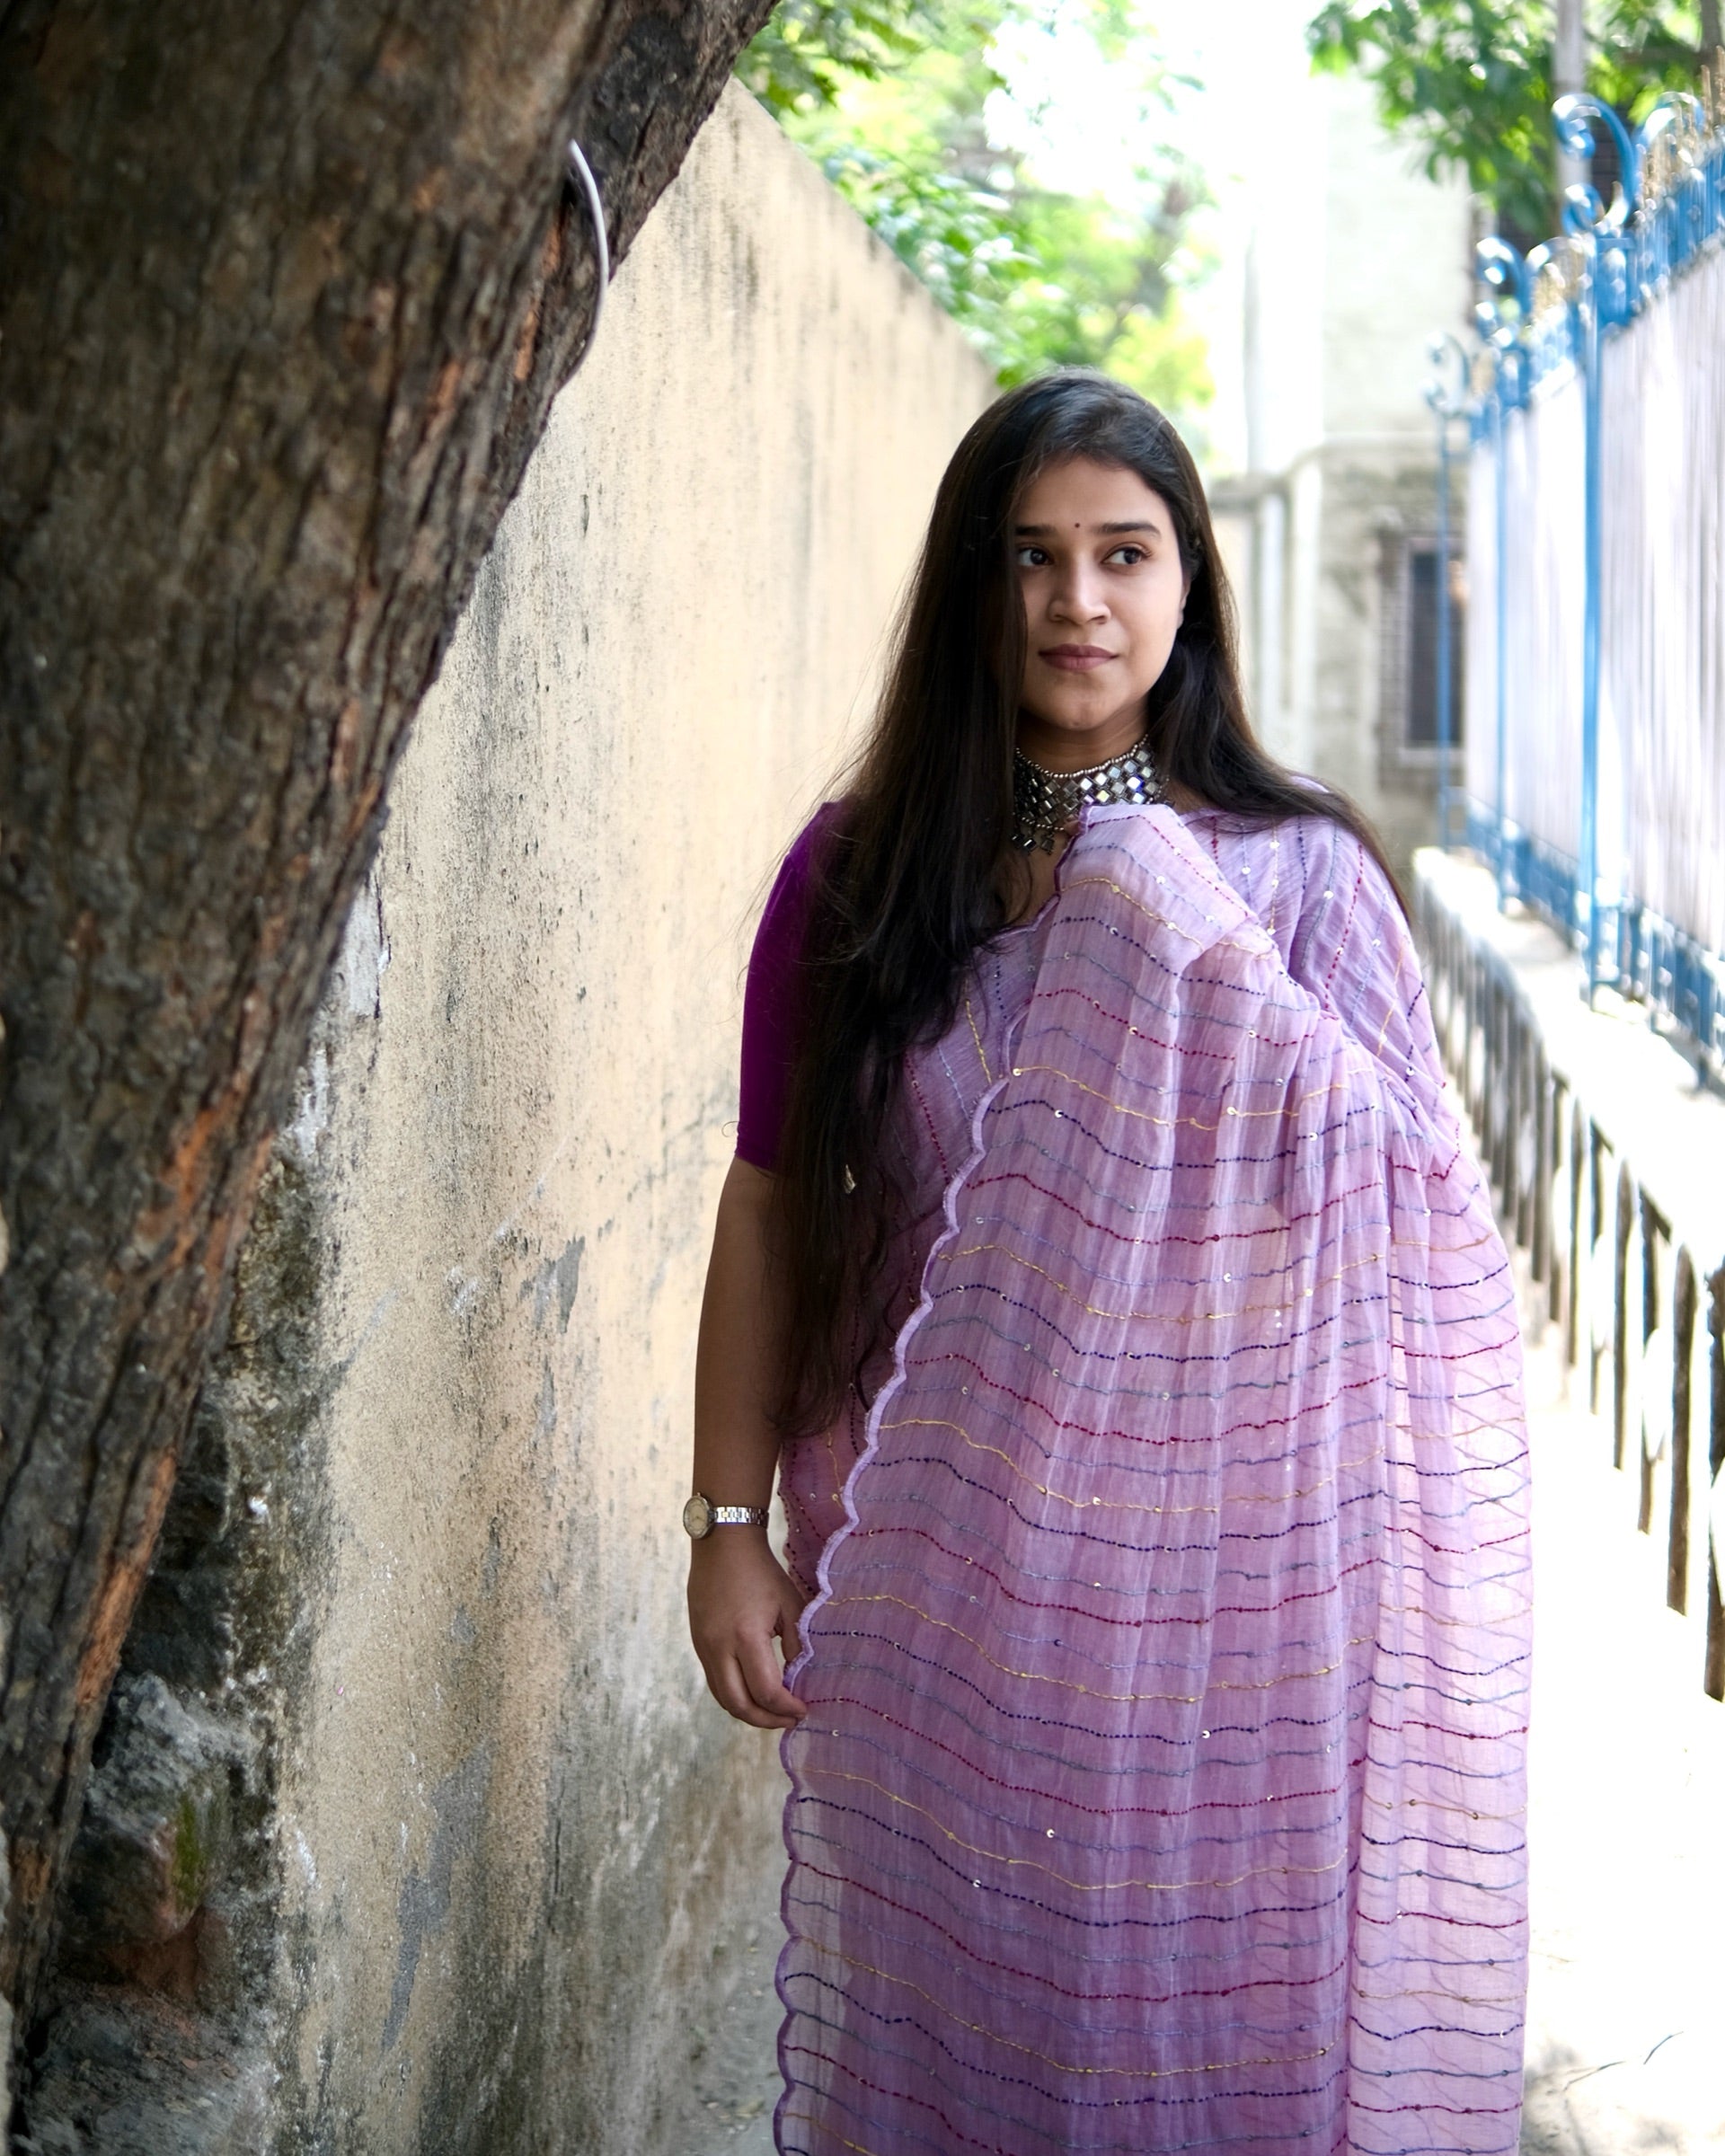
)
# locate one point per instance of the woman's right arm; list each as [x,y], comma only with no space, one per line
[743,1606]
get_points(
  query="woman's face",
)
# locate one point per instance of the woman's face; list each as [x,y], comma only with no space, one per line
[1099,571]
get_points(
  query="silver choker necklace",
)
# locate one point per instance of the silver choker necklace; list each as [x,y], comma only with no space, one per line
[1046,802]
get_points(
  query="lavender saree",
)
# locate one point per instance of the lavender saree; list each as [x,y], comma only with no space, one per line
[1162,1786]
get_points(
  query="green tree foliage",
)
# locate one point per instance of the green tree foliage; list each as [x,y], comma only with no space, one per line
[906,105]
[1471,80]
[807,50]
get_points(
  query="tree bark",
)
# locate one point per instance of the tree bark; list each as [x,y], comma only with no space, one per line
[287,292]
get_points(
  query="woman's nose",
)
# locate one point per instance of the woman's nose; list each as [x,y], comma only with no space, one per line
[1077,595]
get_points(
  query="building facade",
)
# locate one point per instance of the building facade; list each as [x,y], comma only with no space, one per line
[1351,261]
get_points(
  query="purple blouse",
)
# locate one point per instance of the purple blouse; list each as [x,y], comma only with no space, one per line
[771,999]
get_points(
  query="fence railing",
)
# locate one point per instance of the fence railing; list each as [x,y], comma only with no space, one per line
[1595,414]
[1642,1313]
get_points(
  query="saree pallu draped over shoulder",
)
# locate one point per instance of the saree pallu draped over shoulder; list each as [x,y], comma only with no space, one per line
[1162,1785]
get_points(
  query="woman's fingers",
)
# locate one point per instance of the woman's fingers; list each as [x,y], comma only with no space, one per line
[725,1682]
[729,1685]
[792,1605]
[766,1681]
[744,1676]
[742,1605]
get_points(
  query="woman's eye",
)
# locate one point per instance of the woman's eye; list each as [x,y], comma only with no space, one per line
[1031,556]
[1131,556]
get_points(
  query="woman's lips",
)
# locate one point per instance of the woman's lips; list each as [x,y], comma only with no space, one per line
[1076,659]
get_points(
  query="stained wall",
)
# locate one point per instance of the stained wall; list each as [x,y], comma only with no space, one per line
[509,1789]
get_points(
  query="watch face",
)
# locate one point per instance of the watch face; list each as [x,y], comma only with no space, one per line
[697,1517]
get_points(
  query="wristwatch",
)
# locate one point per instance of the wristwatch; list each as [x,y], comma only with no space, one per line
[701,1516]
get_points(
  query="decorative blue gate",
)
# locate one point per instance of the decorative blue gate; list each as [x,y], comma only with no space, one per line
[1594,411]
[1592,416]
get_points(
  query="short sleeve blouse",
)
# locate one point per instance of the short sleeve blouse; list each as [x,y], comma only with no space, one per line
[772,1001]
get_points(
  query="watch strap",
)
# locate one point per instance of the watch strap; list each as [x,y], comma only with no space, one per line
[701,1516]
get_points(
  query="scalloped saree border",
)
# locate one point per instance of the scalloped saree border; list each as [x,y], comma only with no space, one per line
[956,1186]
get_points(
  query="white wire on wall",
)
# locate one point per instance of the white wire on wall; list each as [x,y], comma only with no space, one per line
[1662,611]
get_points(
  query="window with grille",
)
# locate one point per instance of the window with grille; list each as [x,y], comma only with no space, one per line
[1407,701]
[1420,698]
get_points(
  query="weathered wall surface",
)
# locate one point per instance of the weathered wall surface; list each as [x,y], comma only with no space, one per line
[482,1838]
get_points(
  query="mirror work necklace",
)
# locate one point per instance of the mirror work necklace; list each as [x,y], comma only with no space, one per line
[1045,803]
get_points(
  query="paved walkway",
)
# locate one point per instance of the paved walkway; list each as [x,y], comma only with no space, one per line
[1626,2038]
[1626,2012]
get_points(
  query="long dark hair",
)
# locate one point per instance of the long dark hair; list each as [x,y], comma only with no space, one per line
[908,884]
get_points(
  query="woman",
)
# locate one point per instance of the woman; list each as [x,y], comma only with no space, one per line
[1102,1274]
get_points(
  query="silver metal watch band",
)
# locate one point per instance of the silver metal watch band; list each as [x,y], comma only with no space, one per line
[700,1516]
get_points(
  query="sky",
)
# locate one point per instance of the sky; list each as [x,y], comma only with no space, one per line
[1244,55]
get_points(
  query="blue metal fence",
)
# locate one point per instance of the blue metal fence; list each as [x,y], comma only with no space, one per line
[1584,649]
[1641,1307]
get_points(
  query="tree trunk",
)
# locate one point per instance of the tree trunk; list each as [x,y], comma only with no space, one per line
[287,292]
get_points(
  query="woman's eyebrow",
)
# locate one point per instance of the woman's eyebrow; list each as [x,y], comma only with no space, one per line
[1041,530]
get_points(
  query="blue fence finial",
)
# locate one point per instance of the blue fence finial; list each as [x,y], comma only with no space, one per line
[1574,118]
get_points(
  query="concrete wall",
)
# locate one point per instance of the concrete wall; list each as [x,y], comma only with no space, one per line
[493,1839]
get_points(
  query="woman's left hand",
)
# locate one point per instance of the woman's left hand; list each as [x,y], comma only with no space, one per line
[743,1613]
